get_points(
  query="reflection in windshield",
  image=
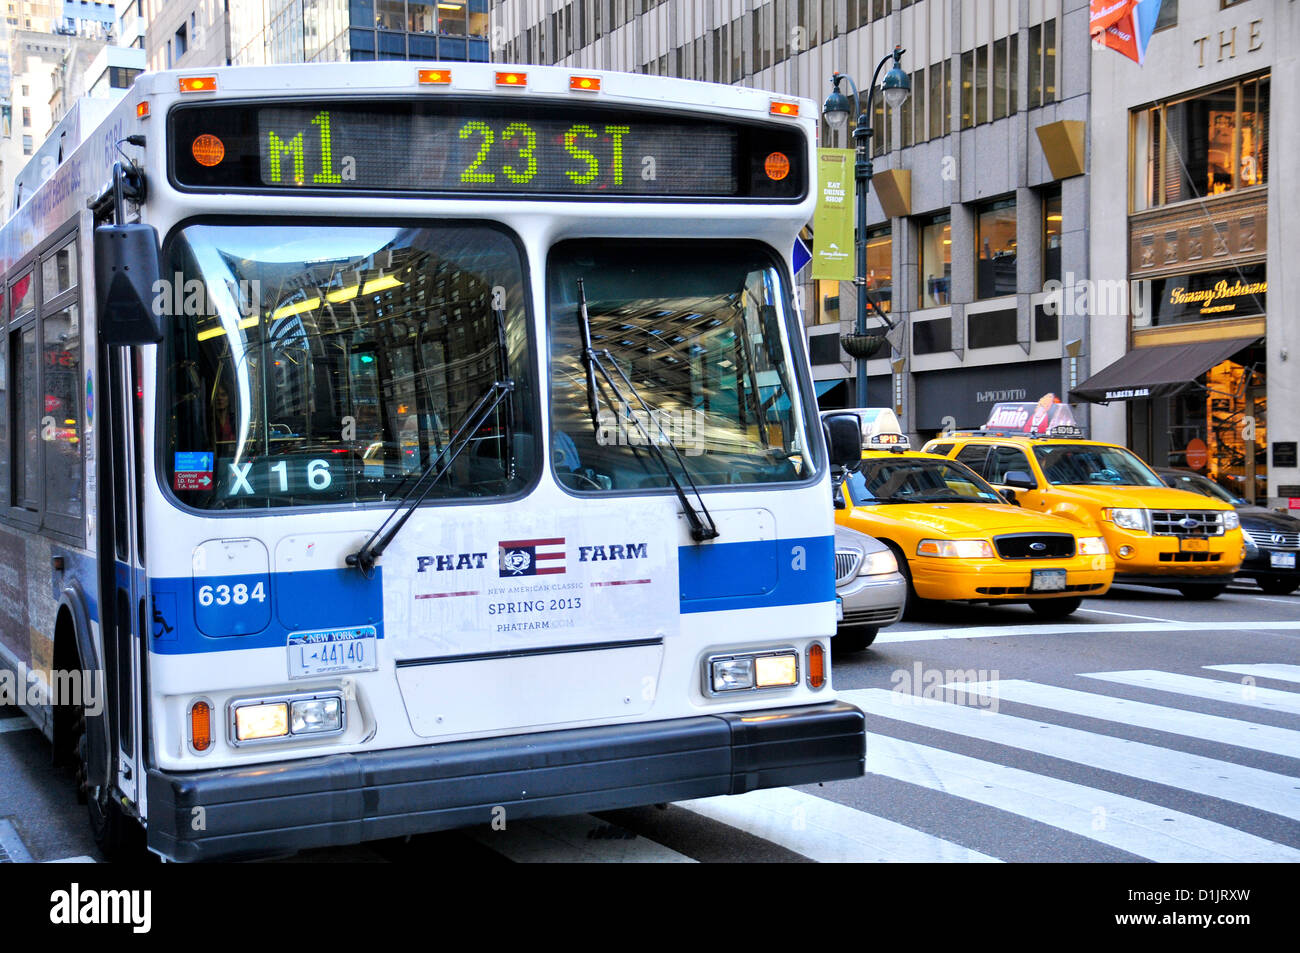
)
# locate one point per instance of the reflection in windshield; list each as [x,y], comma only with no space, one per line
[1095,465]
[918,480]
[319,364]
[1196,483]
[700,331]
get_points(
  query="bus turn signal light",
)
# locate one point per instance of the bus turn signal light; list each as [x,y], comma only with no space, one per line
[142,110]
[816,665]
[201,726]
[198,84]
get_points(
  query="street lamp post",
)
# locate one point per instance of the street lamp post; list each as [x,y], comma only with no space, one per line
[897,85]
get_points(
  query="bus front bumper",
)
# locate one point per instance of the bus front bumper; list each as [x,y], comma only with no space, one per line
[269,809]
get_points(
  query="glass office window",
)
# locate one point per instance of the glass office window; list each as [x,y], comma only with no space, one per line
[936,261]
[995,237]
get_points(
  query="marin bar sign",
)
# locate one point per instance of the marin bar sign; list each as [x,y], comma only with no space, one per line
[481,147]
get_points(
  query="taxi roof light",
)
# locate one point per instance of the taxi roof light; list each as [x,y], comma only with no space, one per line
[880,428]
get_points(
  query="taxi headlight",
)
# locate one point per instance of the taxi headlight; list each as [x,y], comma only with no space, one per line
[1231,520]
[876,564]
[956,548]
[1127,518]
[1092,546]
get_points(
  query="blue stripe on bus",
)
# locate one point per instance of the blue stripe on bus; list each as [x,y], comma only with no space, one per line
[298,602]
[716,577]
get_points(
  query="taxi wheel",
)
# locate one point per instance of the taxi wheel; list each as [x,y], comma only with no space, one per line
[1055,608]
[854,640]
[1278,585]
[1202,593]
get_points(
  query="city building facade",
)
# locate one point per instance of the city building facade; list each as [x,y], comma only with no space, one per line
[1201,232]
[979,199]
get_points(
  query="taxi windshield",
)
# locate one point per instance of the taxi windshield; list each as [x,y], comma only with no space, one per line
[1199,484]
[918,480]
[1073,464]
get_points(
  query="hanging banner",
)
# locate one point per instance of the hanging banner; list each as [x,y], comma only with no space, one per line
[1104,13]
[833,220]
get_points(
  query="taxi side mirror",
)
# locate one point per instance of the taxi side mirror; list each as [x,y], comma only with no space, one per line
[1020,480]
[843,434]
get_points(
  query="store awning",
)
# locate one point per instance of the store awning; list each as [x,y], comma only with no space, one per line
[1156,371]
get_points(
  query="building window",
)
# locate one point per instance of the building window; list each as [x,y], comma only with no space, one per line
[1052,235]
[27,117]
[995,237]
[1168,15]
[982,85]
[27,145]
[1042,63]
[936,260]
[968,89]
[917,99]
[1203,145]
[181,41]
[880,268]
[121,77]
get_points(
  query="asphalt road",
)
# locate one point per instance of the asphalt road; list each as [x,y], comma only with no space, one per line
[1144,727]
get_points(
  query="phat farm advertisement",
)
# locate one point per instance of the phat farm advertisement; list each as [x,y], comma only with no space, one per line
[564,577]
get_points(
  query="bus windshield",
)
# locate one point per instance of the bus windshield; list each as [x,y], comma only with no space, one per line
[1093,465]
[311,364]
[698,329]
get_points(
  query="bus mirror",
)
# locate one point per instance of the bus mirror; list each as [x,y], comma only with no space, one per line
[843,440]
[126,270]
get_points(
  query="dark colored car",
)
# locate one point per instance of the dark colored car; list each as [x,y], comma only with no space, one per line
[1272,538]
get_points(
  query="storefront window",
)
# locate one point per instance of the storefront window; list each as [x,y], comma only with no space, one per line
[995,237]
[1052,235]
[880,259]
[1204,145]
[936,261]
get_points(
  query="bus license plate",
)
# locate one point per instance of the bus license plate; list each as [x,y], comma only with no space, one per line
[333,650]
[1282,560]
[1194,545]
[1048,580]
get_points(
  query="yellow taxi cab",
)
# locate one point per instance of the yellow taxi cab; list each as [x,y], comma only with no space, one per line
[1159,536]
[956,538]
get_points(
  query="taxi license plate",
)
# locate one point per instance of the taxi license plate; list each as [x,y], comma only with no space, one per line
[1194,545]
[330,651]
[1282,560]
[839,608]
[1048,580]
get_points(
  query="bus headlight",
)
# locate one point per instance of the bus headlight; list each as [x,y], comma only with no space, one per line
[877,564]
[1092,546]
[956,548]
[316,714]
[255,722]
[758,670]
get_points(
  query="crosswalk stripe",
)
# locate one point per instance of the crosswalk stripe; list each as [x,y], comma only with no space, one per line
[1269,699]
[1277,672]
[1265,790]
[893,636]
[1147,830]
[827,831]
[578,839]
[1228,731]
[14,724]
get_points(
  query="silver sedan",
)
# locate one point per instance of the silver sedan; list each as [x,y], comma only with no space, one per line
[870,589]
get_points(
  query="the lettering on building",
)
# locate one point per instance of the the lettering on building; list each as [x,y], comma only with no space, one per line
[1225,44]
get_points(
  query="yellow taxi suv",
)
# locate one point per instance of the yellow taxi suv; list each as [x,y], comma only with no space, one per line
[1159,536]
[957,538]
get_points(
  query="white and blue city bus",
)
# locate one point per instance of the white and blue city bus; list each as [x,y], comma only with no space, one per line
[404,448]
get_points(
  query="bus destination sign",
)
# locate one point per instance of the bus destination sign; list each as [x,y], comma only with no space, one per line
[481,147]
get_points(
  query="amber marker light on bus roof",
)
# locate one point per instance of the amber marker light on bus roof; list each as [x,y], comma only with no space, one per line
[512,79]
[435,77]
[816,665]
[585,84]
[201,726]
[142,110]
[198,84]
[779,108]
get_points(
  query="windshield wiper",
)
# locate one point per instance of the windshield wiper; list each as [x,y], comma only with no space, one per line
[701,528]
[369,553]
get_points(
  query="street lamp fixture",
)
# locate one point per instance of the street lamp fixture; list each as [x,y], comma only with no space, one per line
[896,86]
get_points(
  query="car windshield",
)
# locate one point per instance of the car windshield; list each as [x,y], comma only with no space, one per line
[310,364]
[1072,464]
[918,480]
[696,330]
[1199,484]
